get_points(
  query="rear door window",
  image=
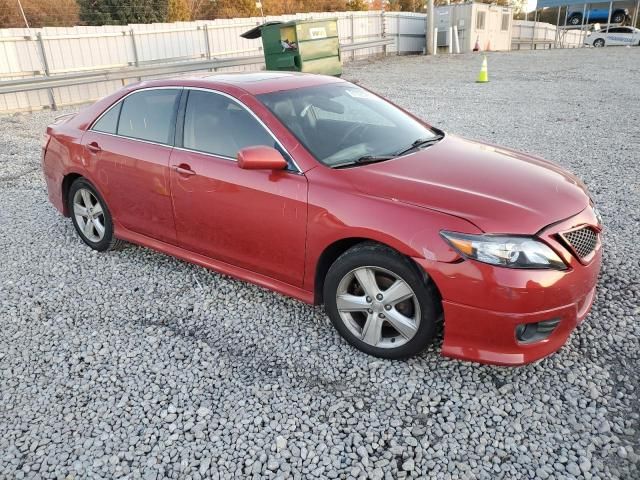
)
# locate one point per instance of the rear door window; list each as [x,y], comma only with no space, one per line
[150,115]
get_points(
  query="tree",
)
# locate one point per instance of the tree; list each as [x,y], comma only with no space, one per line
[122,12]
[406,5]
[227,9]
[357,5]
[39,13]
[178,11]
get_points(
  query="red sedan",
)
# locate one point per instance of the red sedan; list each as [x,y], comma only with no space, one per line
[321,190]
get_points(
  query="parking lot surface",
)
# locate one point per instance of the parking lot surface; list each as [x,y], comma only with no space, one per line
[133,364]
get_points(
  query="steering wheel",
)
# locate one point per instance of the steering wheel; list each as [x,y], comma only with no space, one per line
[309,116]
[352,131]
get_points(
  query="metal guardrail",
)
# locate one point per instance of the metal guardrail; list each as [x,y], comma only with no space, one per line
[114,74]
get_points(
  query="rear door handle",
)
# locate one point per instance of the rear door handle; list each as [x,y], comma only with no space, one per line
[94,147]
[183,169]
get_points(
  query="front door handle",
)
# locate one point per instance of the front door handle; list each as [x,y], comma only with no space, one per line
[183,169]
[94,147]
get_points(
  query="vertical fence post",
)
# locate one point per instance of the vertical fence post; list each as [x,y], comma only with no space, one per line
[383,32]
[47,71]
[205,29]
[207,44]
[555,39]
[435,41]
[456,40]
[353,36]
[398,33]
[136,58]
[609,16]
[563,34]
[584,13]
[533,34]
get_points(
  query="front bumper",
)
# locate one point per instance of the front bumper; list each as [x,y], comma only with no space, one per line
[483,304]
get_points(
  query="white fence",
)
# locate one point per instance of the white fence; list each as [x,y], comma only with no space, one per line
[55,51]
[59,51]
[533,35]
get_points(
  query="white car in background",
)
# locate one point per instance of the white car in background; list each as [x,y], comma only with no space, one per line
[613,36]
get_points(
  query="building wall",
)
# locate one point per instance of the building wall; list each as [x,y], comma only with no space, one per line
[490,36]
[496,34]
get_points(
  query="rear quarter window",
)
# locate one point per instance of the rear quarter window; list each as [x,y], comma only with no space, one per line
[108,122]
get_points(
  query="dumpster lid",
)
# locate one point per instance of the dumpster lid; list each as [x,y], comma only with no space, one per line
[256,32]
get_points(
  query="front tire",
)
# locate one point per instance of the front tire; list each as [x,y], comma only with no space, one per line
[91,217]
[598,43]
[380,302]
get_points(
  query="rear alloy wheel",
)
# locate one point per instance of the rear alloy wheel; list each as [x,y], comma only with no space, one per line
[598,42]
[91,217]
[380,303]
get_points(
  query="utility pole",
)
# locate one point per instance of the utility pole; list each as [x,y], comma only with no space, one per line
[24,17]
[259,6]
[430,26]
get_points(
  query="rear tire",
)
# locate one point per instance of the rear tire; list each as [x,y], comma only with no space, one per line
[598,43]
[91,217]
[380,302]
[575,19]
[617,17]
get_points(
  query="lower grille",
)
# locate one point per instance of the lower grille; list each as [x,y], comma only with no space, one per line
[582,241]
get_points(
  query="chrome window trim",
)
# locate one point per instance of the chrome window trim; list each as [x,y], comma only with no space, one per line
[133,139]
[297,170]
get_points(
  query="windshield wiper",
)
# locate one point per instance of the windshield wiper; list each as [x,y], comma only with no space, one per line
[365,159]
[419,143]
[373,158]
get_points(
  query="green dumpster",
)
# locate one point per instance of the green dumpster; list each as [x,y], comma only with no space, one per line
[310,46]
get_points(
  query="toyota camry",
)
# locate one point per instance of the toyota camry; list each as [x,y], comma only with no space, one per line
[321,190]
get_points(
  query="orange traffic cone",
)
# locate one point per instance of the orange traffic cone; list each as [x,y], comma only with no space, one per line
[476,48]
[488,49]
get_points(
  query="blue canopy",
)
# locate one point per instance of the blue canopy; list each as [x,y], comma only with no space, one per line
[568,3]
[558,3]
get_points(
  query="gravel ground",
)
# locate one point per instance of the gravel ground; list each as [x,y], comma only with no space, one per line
[133,364]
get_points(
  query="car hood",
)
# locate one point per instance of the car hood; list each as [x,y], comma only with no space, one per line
[497,189]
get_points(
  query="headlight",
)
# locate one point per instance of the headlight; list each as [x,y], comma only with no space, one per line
[505,251]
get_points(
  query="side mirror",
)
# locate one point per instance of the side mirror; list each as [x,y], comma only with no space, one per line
[261,158]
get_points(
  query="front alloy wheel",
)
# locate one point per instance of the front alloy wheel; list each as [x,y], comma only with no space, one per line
[381,302]
[378,307]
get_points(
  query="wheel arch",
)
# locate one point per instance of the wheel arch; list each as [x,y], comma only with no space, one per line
[67,181]
[332,251]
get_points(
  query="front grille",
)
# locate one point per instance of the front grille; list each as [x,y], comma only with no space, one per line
[583,241]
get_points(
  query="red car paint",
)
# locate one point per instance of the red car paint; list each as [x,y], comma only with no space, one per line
[298,219]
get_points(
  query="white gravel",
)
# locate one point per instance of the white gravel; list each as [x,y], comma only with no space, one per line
[133,364]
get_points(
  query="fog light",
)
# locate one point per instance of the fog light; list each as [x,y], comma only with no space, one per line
[534,332]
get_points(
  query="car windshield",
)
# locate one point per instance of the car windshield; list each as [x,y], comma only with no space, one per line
[343,124]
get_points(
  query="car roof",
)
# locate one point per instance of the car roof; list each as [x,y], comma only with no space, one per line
[254,83]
